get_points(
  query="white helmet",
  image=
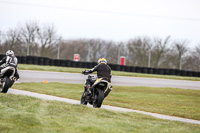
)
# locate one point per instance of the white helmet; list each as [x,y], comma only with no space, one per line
[9,52]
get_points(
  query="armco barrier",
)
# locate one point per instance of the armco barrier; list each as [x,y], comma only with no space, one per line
[68,63]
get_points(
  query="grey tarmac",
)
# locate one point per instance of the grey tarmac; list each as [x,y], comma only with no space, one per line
[76,78]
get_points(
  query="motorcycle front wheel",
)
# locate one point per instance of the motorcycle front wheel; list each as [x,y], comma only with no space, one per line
[99,96]
[83,100]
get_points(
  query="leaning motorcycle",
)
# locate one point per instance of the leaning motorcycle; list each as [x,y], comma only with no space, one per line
[99,91]
[7,79]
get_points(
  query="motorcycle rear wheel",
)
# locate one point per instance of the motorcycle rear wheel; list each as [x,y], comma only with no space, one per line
[6,85]
[99,96]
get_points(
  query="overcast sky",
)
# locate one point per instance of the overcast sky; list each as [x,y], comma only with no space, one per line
[117,20]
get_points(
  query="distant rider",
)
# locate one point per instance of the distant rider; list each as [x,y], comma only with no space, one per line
[9,60]
[103,71]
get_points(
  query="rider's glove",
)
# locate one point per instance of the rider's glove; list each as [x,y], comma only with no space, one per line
[83,72]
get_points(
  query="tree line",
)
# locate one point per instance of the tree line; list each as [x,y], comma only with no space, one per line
[34,39]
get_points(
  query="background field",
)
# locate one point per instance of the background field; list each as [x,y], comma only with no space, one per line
[23,114]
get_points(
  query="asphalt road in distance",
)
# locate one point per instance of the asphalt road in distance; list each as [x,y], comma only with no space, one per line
[76,78]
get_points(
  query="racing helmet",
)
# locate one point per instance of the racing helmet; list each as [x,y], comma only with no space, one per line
[102,60]
[9,52]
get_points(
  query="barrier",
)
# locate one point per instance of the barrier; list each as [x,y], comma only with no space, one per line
[41,60]
[127,69]
[145,70]
[68,63]
[51,62]
[62,63]
[46,61]
[132,69]
[138,69]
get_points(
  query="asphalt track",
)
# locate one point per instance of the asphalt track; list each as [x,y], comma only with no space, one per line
[76,78]
[40,76]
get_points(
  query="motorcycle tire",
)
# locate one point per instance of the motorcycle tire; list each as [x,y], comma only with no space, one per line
[99,96]
[83,100]
[6,85]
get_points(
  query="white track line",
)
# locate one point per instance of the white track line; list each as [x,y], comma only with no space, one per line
[49,97]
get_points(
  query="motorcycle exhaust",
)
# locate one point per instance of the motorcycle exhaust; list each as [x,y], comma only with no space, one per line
[107,91]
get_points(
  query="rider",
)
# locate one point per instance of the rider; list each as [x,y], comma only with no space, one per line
[9,60]
[103,70]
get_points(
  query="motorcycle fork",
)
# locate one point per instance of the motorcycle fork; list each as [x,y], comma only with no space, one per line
[93,94]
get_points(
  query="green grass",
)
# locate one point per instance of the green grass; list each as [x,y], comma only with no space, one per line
[23,114]
[169,101]
[116,73]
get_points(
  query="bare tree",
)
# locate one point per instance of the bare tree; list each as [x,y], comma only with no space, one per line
[159,51]
[32,39]
[71,47]
[89,49]
[193,61]
[36,40]
[176,57]
[28,33]
[48,40]
[100,49]
[12,41]
[111,51]
[196,56]
[139,51]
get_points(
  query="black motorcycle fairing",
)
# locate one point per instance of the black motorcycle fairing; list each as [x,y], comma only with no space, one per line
[8,71]
[7,78]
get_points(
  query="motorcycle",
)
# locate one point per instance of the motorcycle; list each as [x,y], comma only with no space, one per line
[7,79]
[99,91]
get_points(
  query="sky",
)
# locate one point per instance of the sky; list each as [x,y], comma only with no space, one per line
[116,20]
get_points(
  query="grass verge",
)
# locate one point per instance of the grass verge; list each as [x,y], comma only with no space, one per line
[116,73]
[169,101]
[23,114]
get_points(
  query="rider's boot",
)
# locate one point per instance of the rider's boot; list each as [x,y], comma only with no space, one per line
[1,75]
